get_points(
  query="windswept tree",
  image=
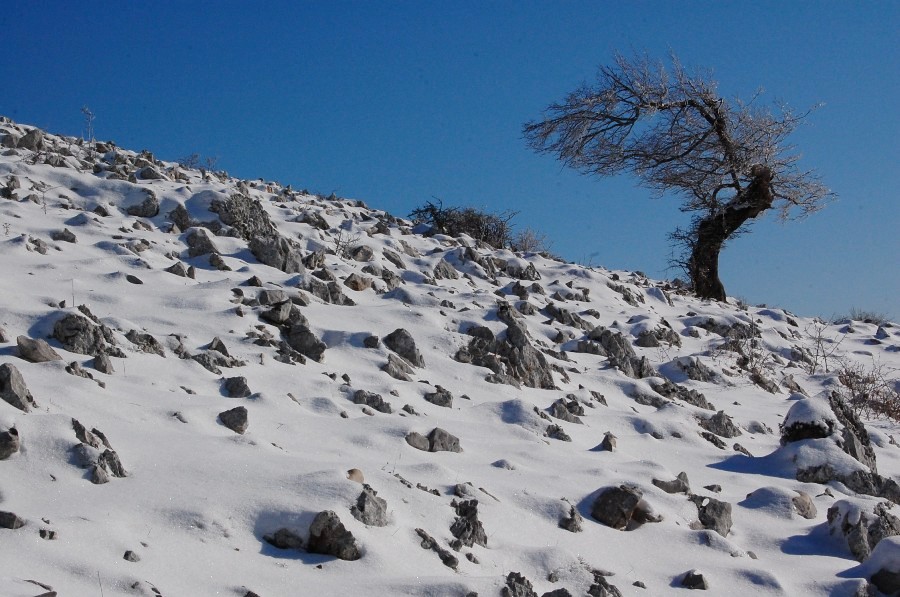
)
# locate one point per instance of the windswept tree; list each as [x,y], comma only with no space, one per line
[726,159]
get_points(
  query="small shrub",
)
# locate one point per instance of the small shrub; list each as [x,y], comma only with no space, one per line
[493,229]
[874,393]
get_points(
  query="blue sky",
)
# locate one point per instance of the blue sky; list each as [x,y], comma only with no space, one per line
[398,103]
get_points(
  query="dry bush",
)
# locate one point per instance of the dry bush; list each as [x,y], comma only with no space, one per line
[873,392]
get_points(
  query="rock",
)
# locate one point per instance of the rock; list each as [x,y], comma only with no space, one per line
[148,208]
[440,397]
[370,509]
[567,411]
[428,542]
[808,418]
[673,390]
[517,586]
[362,253]
[444,271]
[615,506]
[862,529]
[373,401]
[99,476]
[714,514]
[467,529]
[695,369]
[885,561]
[216,261]
[146,343]
[720,424]
[131,556]
[371,342]
[235,419]
[36,351]
[13,390]
[65,236]
[9,443]
[236,387]
[602,587]
[401,342]
[80,334]
[609,442]
[418,441]
[856,441]
[300,338]
[178,269]
[557,432]
[278,314]
[694,579]
[278,252]
[32,140]
[803,505]
[199,243]
[284,539]
[328,536]
[679,485]
[572,522]
[356,475]
[103,364]
[358,283]
[442,441]
[8,520]
[398,368]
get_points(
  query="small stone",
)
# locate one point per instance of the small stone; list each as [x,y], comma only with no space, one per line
[236,387]
[609,442]
[327,535]
[9,443]
[284,539]
[693,579]
[103,364]
[131,556]
[8,520]
[47,534]
[133,279]
[235,419]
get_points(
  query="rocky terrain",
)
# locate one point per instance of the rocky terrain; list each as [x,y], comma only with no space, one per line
[214,386]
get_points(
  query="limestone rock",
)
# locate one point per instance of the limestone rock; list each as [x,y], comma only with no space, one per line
[235,419]
[401,342]
[36,350]
[714,514]
[370,509]
[13,389]
[328,536]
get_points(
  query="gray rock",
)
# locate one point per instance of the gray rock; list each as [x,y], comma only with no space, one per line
[9,140]
[8,520]
[362,253]
[442,441]
[32,140]
[236,387]
[695,369]
[567,410]
[615,506]
[714,514]
[103,364]
[216,261]
[372,400]
[557,432]
[278,252]
[235,419]
[517,586]
[278,314]
[99,475]
[720,424]
[693,579]
[146,343]
[110,462]
[79,334]
[609,442]
[199,243]
[13,389]
[150,173]
[370,509]
[440,397]
[803,505]
[572,522]
[300,338]
[65,235]
[678,485]
[133,279]
[862,529]
[272,297]
[429,542]
[887,581]
[401,342]
[131,556]
[398,368]
[284,539]
[148,208]
[328,536]
[467,529]
[9,443]
[36,350]
[418,441]
[444,271]
[178,269]
[358,283]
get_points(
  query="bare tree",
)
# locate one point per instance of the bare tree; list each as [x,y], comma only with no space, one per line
[727,160]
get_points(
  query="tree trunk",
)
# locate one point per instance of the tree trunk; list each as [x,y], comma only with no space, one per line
[711,232]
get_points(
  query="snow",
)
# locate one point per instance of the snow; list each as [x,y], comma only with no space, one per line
[199,498]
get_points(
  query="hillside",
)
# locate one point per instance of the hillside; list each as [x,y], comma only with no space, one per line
[192,365]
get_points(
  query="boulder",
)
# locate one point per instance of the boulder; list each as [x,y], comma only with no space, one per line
[148,208]
[9,443]
[36,350]
[235,419]
[8,520]
[401,342]
[714,514]
[32,140]
[13,389]
[84,335]
[720,424]
[862,529]
[236,387]
[300,338]
[199,243]
[440,397]
[372,400]
[442,441]
[467,529]
[615,506]
[328,536]
[369,508]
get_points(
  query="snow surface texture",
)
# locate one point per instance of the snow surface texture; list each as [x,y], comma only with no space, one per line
[201,503]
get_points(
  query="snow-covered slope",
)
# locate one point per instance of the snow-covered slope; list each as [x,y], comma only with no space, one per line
[103,250]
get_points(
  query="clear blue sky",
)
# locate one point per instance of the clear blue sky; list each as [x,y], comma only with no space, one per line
[396,103]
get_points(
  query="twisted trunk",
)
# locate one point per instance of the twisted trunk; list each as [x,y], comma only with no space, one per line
[712,231]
